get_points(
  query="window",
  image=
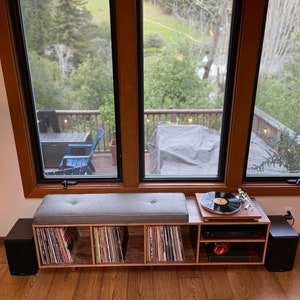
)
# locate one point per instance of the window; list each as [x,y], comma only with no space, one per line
[71,85]
[274,149]
[187,90]
[249,28]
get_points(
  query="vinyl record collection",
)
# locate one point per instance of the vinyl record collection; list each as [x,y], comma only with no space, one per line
[110,243]
[57,244]
[164,244]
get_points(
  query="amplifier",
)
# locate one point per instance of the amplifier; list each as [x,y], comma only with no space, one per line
[234,231]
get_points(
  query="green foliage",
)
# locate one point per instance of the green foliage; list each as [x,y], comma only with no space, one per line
[74,28]
[172,29]
[90,84]
[193,9]
[67,22]
[154,40]
[286,153]
[172,57]
[151,51]
[171,82]
[45,77]
[279,98]
[99,9]
[37,21]
[107,113]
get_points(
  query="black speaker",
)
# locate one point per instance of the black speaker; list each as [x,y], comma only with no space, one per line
[282,245]
[20,249]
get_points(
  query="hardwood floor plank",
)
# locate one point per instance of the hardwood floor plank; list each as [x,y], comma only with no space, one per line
[239,278]
[244,286]
[189,272]
[89,283]
[261,280]
[39,286]
[165,284]
[191,284]
[11,287]
[114,284]
[3,259]
[290,283]
[140,283]
[63,284]
[216,283]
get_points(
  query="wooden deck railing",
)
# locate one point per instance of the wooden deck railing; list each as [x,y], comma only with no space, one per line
[90,121]
[84,121]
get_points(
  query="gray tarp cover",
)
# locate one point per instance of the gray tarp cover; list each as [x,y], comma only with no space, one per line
[194,150]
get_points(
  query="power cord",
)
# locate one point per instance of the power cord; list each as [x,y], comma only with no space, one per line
[289,217]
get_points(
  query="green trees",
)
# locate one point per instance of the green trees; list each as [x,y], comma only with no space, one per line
[71,60]
[279,98]
[171,82]
[70,57]
[278,85]
[91,84]
[74,29]
[37,21]
[171,77]
[46,78]
[285,153]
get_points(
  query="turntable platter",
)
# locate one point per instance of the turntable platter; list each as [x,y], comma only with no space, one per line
[220,202]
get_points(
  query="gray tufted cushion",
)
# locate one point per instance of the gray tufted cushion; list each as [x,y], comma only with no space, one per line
[112,208]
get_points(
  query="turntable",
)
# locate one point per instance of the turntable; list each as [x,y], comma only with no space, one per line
[226,206]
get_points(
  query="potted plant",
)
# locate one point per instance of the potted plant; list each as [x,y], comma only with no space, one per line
[113,150]
[108,115]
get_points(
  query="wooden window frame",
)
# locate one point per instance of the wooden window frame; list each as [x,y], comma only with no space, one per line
[249,47]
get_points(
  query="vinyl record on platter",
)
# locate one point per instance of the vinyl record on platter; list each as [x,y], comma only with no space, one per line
[220,202]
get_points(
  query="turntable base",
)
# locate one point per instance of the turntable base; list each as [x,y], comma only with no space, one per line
[242,214]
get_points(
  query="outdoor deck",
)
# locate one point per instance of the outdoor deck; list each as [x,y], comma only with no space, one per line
[104,165]
[87,122]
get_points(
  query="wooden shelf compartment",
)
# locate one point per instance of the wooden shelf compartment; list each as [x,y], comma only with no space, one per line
[134,253]
[109,244]
[55,250]
[170,244]
[233,232]
[254,254]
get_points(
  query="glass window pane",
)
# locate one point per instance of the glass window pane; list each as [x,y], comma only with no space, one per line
[185,51]
[274,149]
[69,51]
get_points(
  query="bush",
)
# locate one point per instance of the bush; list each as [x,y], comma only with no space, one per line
[154,40]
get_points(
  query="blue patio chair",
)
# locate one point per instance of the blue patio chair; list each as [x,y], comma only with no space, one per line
[83,161]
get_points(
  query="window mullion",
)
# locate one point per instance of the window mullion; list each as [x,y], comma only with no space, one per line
[128,97]
[246,69]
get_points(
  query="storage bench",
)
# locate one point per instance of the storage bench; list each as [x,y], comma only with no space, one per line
[132,229]
[112,208]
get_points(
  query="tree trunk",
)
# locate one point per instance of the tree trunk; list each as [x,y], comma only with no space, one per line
[215,39]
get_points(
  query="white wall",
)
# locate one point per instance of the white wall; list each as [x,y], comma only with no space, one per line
[13,205]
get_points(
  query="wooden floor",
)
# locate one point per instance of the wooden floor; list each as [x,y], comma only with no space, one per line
[162,283]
